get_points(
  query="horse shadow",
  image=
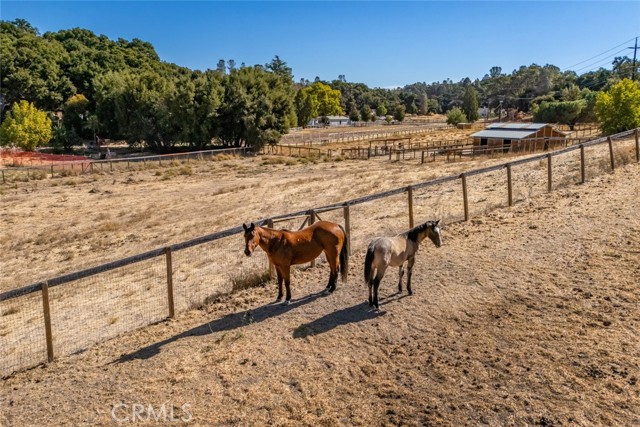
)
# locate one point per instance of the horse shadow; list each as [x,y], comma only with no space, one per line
[227,323]
[356,313]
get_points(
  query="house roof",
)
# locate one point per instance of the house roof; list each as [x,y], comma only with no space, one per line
[337,117]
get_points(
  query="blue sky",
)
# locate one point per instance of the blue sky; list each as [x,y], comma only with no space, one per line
[379,43]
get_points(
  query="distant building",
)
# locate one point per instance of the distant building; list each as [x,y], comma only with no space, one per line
[517,136]
[332,121]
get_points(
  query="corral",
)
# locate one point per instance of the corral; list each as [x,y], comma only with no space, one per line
[485,340]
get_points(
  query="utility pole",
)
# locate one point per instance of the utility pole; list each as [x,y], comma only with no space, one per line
[633,70]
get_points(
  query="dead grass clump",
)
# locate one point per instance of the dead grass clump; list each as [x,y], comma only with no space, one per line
[624,156]
[38,174]
[10,311]
[168,174]
[249,280]
[278,161]
[109,226]
[67,172]
[221,157]
[185,170]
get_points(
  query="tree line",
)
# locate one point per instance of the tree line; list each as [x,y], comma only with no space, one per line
[89,87]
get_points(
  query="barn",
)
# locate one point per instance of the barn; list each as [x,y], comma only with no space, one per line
[518,136]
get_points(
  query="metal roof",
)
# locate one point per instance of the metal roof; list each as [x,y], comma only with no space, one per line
[504,134]
[514,126]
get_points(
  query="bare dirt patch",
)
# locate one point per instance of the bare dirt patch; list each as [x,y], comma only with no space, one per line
[527,316]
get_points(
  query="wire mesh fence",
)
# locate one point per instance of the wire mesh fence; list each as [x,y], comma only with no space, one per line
[69,313]
[22,332]
[99,307]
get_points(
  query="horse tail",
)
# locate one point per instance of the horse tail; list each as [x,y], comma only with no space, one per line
[368,263]
[344,257]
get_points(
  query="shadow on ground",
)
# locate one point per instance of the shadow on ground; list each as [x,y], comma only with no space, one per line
[353,314]
[227,323]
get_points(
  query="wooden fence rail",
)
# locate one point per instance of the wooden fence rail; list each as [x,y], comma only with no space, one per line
[311,214]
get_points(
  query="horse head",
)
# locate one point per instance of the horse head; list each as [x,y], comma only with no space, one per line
[434,233]
[251,239]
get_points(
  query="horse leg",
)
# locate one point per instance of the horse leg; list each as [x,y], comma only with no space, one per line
[279,274]
[370,283]
[380,270]
[376,285]
[286,274]
[333,258]
[412,261]
[400,274]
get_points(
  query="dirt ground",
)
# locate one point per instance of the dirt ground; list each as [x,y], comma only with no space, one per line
[526,316]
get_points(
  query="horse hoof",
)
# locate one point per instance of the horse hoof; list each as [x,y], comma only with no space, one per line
[287,302]
[326,292]
[278,299]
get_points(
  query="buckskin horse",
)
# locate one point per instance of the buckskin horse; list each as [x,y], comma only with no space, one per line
[394,251]
[286,248]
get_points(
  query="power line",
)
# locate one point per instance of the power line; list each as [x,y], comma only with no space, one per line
[601,61]
[600,54]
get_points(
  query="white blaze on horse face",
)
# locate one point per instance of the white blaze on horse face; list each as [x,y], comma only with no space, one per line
[251,241]
[437,230]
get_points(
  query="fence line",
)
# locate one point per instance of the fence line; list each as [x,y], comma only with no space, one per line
[38,355]
[87,165]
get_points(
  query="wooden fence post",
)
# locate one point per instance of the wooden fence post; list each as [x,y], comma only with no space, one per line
[167,252]
[47,320]
[272,269]
[410,196]
[465,198]
[613,163]
[637,147]
[312,219]
[509,185]
[549,174]
[347,227]
[583,171]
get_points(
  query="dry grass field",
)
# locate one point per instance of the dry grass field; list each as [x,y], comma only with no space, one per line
[526,316]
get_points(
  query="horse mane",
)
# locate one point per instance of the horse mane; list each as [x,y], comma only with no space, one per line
[415,231]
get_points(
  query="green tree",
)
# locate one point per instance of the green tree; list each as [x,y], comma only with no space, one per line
[455,116]
[399,112]
[381,110]
[365,113]
[257,108]
[328,99]
[619,108]
[306,106]
[470,104]
[571,93]
[75,113]
[354,116]
[25,127]
[566,112]
[423,104]
[317,100]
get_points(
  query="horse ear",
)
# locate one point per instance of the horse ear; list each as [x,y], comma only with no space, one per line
[437,223]
[244,226]
[252,226]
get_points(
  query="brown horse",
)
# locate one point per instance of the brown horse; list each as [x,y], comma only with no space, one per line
[286,248]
